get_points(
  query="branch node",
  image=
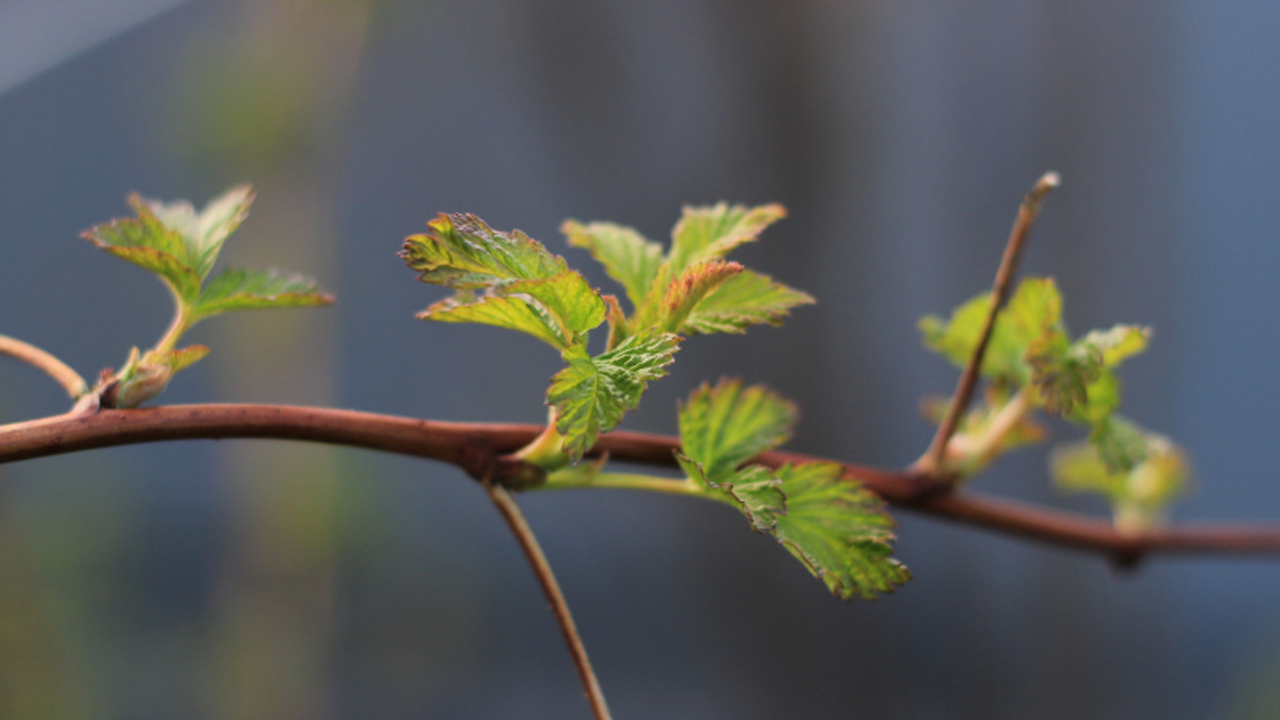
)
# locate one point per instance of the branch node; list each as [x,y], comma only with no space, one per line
[482,463]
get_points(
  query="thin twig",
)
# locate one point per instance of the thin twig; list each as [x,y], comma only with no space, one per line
[934,458]
[449,442]
[542,569]
[68,378]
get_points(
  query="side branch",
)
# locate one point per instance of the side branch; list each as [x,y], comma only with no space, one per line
[454,443]
[62,373]
[559,607]
[933,460]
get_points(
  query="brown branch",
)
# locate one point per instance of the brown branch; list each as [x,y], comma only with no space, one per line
[455,442]
[933,459]
[559,607]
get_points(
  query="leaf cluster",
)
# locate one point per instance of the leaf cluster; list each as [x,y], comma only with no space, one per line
[180,245]
[1031,363]
[510,280]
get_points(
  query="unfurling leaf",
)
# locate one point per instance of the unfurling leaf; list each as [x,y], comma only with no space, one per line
[203,232]
[1062,373]
[181,245]
[746,299]
[689,290]
[709,233]
[461,251]
[591,395]
[839,530]
[692,290]
[1140,489]
[526,288]
[145,242]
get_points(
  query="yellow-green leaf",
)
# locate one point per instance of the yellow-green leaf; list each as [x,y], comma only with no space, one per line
[687,291]
[252,289]
[707,233]
[592,394]
[748,298]
[202,232]
[723,426]
[755,490]
[626,255]
[839,530]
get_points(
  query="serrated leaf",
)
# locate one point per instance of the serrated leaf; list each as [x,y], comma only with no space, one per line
[146,242]
[461,251]
[708,233]
[1034,309]
[1062,373]
[235,289]
[204,232]
[1139,494]
[746,299]
[691,288]
[527,288]
[755,490]
[568,296]
[512,313]
[626,255]
[839,530]
[1119,343]
[592,394]
[722,427]
[1121,444]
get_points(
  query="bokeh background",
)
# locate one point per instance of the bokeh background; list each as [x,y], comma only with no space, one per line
[252,580]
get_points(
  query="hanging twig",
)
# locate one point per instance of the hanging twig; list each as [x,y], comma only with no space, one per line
[559,607]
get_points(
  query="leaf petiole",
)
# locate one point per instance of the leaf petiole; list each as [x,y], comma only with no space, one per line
[574,478]
[976,451]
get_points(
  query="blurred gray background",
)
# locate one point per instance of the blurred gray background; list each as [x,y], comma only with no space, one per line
[255,580]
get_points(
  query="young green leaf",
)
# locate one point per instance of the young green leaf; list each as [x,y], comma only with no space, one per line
[746,299]
[526,287]
[1139,493]
[723,426]
[461,251]
[203,232]
[1034,310]
[146,242]
[1062,372]
[512,313]
[626,255]
[1117,344]
[839,530]
[688,291]
[709,233]
[691,290]
[754,489]
[1121,444]
[236,289]
[181,245]
[592,394]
